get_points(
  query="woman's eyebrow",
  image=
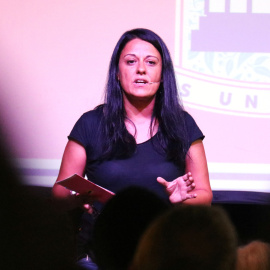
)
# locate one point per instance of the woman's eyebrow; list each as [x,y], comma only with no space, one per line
[130,54]
[151,56]
[147,56]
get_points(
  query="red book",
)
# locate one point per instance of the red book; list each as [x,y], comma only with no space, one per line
[83,186]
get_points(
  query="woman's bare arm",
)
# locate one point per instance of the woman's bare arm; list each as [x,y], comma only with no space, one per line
[196,164]
[73,161]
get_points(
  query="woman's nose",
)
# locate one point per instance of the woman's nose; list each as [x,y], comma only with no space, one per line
[141,68]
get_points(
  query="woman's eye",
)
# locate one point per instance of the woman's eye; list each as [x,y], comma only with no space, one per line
[130,62]
[152,63]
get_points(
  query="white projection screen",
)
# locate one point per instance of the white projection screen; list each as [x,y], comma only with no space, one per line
[54,56]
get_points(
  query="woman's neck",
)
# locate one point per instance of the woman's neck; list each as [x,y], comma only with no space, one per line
[139,116]
[138,111]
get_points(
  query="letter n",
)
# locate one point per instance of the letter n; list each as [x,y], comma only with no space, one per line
[253,102]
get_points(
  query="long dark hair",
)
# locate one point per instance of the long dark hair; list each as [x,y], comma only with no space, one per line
[168,110]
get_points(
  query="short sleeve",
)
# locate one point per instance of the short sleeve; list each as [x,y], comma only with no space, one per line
[84,130]
[194,132]
[79,131]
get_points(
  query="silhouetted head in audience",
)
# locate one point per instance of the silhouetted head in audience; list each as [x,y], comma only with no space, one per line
[120,225]
[188,238]
[254,256]
[33,234]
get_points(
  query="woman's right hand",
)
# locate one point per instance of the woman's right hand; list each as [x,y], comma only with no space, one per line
[83,201]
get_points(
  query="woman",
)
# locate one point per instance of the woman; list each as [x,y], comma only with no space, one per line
[141,135]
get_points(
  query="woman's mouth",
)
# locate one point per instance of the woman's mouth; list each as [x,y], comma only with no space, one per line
[140,82]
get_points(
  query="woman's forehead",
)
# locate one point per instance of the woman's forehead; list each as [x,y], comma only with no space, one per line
[139,46]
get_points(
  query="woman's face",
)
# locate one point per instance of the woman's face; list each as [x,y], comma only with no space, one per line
[140,67]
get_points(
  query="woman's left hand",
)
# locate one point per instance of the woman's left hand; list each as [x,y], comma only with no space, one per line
[178,189]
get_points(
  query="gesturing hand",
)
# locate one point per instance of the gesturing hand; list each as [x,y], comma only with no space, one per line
[178,189]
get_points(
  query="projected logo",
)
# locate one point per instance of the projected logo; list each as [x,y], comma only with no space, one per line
[222,55]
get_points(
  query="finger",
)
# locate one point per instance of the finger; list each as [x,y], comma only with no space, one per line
[187,176]
[191,187]
[87,207]
[85,199]
[191,196]
[189,181]
[162,181]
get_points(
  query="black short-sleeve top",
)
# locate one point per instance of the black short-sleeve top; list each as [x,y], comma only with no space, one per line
[141,169]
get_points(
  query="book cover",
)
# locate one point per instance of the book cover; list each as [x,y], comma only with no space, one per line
[83,186]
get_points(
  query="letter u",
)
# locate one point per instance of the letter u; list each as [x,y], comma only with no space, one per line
[228,99]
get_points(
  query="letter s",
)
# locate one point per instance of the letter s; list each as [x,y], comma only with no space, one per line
[185,90]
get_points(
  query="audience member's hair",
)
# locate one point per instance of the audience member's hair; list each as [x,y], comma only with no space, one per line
[121,223]
[188,238]
[254,256]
